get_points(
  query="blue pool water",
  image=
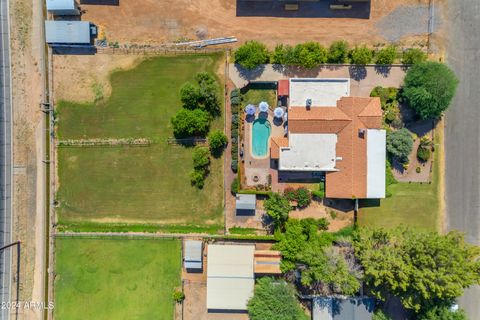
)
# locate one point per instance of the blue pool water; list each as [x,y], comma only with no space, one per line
[260,134]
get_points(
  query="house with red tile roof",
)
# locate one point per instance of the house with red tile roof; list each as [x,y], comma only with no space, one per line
[330,132]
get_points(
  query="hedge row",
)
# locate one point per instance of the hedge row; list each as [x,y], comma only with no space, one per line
[235,100]
[312,54]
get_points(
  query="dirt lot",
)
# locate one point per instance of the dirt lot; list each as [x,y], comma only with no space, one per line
[154,22]
[27,152]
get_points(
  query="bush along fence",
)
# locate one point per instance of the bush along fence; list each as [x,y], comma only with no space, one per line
[311,54]
[235,100]
[104,142]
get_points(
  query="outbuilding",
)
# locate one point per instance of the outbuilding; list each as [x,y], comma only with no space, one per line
[67,33]
[192,255]
[245,204]
[351,308]
[63,7]
[230,277]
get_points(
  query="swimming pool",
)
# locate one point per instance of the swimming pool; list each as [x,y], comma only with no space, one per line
[260,134]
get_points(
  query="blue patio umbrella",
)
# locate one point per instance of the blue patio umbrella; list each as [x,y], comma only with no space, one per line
[250,109]
[263,106]
[278,112]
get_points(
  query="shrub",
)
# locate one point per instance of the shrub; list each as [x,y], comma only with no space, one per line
[235,101]
[361,55]
[251,54]
[310,54]
[413,56]
[418,169]
[200,157]
[386,95]
[235,93]
[399,144]
[429,88]
[323,224]
[277,207]
[302,196]
[217,140]
[189,123]
[178,296]
[320,193]
[386,55]
[197,178]
[338,52]
[234,166]
[284,54]
[235,186]
[333,214]
[390,115]
[423,154]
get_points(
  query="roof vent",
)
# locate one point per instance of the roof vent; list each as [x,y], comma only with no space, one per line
[361,133]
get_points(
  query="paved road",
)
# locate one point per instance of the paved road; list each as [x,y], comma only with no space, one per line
[5,158]
[462,135]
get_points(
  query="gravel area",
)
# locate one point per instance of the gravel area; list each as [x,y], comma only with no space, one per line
[408,21]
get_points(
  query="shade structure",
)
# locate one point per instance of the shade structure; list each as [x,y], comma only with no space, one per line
[278,112]
[250,109]
[263,106]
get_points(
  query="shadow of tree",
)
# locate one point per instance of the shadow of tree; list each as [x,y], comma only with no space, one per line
[357,72]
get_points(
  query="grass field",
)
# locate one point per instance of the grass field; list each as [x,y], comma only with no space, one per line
[255,96]
[136,184]
[137,282]
[411,204]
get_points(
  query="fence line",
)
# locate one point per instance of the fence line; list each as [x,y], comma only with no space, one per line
[157,50]
[202,141]
[104,142]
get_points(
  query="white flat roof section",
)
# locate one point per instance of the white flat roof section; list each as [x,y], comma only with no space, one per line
[193,254]
[53,5]
[323,92]
[376,155]
[67,32]
[230,277]
[309,152]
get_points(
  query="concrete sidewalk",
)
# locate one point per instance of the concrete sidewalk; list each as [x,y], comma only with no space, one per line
[362,78]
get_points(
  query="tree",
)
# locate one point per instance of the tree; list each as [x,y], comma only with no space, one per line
[338,52]
[235,186]
[387,95]
[399,144]
[217,140]
[302,196]
[197,178]
[189,95]
[277,207]
[274,299]
[284,54]
[386,55]
[413,56]
[361,55]
[429,88]
[423,269]
[200,157]
[443,313]
[251,54]
[310,54]
[380,315]
[189,123]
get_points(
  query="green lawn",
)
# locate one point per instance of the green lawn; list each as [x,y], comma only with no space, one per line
[411,204]
[255,96]
[136,283]
[136,184]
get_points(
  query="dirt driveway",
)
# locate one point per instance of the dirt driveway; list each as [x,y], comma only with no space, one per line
[154,22]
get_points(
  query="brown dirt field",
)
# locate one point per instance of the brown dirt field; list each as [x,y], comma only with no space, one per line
[75,76]
[27,202]
[156,22]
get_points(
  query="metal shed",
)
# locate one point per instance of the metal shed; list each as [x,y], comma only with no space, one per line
[230,278]
[192,255]
[67,32]
[63,7]
[245,204]
[353,308]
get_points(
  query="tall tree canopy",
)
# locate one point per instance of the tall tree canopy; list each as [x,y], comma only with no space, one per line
[421,268]
[274,299]
[429,88]
[201,95]
[189,123]
[277,207]
[251,54]
[325,269]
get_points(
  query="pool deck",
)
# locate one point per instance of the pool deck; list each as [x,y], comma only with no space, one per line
[258,167]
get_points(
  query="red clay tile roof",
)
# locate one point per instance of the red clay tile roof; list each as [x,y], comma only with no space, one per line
[346,120]
[275,145]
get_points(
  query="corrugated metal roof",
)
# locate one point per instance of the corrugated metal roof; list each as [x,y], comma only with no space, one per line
[67,32]
[246,202]
[327,308]
[53,5]
[192,251]
[230,279]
